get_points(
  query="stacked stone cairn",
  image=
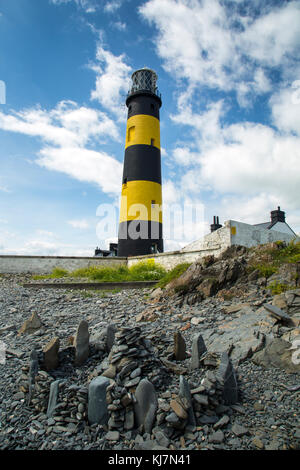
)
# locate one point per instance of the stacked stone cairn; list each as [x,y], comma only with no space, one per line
[122,393]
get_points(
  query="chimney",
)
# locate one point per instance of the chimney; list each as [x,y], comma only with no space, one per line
[216,224]
[277,216]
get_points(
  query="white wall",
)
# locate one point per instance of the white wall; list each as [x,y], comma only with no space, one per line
[232,233]
[45,264]
[250,235]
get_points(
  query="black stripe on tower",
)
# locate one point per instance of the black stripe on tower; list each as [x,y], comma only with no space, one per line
[142,162]
[140,246]
[143,103]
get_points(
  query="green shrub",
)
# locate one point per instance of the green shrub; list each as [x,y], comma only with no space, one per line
[142,271]
[265,270]
[59,272]
[174,273]
[277,287]
[147,271]
[286,254]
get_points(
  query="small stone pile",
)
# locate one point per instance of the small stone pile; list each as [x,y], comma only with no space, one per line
[202,404]
[131,359]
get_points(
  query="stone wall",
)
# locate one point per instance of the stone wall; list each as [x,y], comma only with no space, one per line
[45,264]
[232,233]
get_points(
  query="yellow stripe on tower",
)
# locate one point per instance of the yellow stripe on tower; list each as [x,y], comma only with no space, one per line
[142,129]
[141,200]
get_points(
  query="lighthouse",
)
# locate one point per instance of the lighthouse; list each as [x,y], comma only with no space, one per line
[140,227]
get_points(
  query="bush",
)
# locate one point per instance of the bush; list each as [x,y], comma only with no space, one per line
[176,272]
[147,271]
[277,287]
[287,254]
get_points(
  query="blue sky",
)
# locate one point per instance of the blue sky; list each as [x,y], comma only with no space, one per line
[229,74]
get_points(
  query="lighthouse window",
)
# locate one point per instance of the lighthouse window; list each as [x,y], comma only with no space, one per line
[153,202]
[131,131]
[152,141]
[152,106]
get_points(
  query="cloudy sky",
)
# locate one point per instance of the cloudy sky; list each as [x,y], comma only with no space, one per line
[229,75]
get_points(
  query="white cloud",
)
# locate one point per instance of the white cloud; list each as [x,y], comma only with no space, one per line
[65,131]
[286,110]
[112,81]
[119,25]
[84,165]
[65,125]
[4,189]
[46,233]
[89,6]
[208,42]
[81,224]
[112,6]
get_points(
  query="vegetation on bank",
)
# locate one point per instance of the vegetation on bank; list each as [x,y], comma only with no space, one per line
[174,273]
[142,271]
[269,260]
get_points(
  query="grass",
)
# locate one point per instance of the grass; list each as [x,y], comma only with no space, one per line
[277,287]
[272,259]
[173,274]
[142,271]
[286,254]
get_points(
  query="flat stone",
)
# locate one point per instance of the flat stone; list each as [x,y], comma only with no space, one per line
[112,436]
[174,421]
[277,354]
[162,439]
[227,378]
[258,443]
[197,320]
[179,347]
[81,343]
[110,336]
[184,393]
[217,437]
[50,352]
[178,409]
[146,405]
[97,406]
[239,430]
[198,348]
[222,422]
[277,313]
[54,389]
[201,399]
[110,372]
[31,325]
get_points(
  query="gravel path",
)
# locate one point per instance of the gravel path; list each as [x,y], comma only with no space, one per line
[266,417]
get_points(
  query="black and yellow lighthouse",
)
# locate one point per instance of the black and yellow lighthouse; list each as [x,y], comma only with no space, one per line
[140,228]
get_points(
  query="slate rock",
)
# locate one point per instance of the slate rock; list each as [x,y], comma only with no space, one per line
[146,405]
[179,347]
[31,325]
[227,379]
[198,348]
[277,313]
[239,430]
[277,354]
[50,352]
[97,406]
[217,437]
[81,343]
[54,388]
[185,393]
[110,336]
